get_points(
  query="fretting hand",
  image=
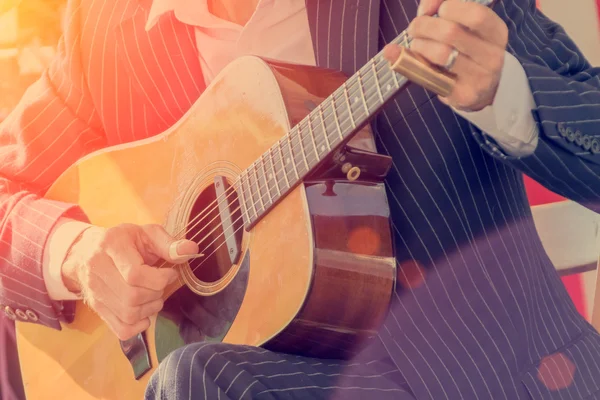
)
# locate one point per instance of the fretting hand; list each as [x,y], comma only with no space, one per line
[111,269]
[467,39]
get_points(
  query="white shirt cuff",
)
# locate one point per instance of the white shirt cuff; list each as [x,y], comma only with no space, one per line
[508,120]
[61,239]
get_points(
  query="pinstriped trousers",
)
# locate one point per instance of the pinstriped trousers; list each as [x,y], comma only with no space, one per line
[225,371]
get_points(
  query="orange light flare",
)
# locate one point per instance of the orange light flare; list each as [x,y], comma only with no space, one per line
[7,5]
[30,22]
[364,240]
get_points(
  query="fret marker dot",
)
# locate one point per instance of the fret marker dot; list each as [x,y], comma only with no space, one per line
[388,87]
[270,176]
[287,160]
[356,100]
[322,148]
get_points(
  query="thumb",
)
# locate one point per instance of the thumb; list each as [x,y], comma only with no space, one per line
[163,245]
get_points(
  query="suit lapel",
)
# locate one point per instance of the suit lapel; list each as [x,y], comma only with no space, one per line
[162,62]
[344,32]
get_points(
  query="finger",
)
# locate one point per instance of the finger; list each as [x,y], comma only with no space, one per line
[125,255]
[132,315]
[145,276]
[453,35]
[114,291]
[109,289]
[122,330]
[469,75]
[129,262]
[479,19]
[163,245]
[124,252]
[471,80]
[104,282]
[131,304]
[439,53]
[428,7]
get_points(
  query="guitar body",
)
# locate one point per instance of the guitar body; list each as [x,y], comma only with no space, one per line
[315,275]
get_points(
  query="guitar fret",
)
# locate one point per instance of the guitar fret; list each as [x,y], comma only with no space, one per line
[374,68]
[293,158]
[243,209]
[265,179]
[282,168]
[242,196]
[404,40]
[262,204]
[284,163]
[326,134]
[250,190]
[362,92]
[300,140]
[274,174]
[356,105]
[349,106]
[336,119]
[396,82]
[312,137]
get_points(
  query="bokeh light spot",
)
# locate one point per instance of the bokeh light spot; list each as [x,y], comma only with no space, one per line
[364,240]
[556,371]
[411,274]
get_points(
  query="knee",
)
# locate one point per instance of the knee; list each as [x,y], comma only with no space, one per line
[172,377]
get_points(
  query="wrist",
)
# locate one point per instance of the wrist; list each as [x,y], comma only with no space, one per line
[69,270]
[70,277]
[72,263]
[59,241]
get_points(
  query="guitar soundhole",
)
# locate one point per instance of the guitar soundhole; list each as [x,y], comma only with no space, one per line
[216,240]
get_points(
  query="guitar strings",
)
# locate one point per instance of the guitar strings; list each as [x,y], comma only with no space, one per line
[284,153]
[403,39]
[206,257]
[227,194]
[231,190]
[237,220]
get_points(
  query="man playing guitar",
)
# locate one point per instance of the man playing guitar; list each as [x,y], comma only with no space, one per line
[488,316]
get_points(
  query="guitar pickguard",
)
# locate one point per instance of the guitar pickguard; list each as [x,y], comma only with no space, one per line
[189,318]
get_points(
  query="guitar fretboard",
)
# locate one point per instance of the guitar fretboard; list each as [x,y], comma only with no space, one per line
[337,118]
[340,115]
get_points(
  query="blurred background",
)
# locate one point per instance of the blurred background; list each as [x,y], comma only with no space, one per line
[29,31]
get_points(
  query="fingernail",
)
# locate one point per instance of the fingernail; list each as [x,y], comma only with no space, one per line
[178,257]
[420,11]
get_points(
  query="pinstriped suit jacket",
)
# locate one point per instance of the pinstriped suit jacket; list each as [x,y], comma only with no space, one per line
[489,319]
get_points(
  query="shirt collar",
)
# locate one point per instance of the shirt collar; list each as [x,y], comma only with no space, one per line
[191,12]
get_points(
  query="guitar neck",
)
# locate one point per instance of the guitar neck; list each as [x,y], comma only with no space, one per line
[320,133]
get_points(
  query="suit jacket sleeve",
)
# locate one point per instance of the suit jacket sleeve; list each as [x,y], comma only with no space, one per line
[53,125]
[566,90]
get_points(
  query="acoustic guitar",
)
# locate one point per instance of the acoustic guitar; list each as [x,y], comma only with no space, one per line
[274,173]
